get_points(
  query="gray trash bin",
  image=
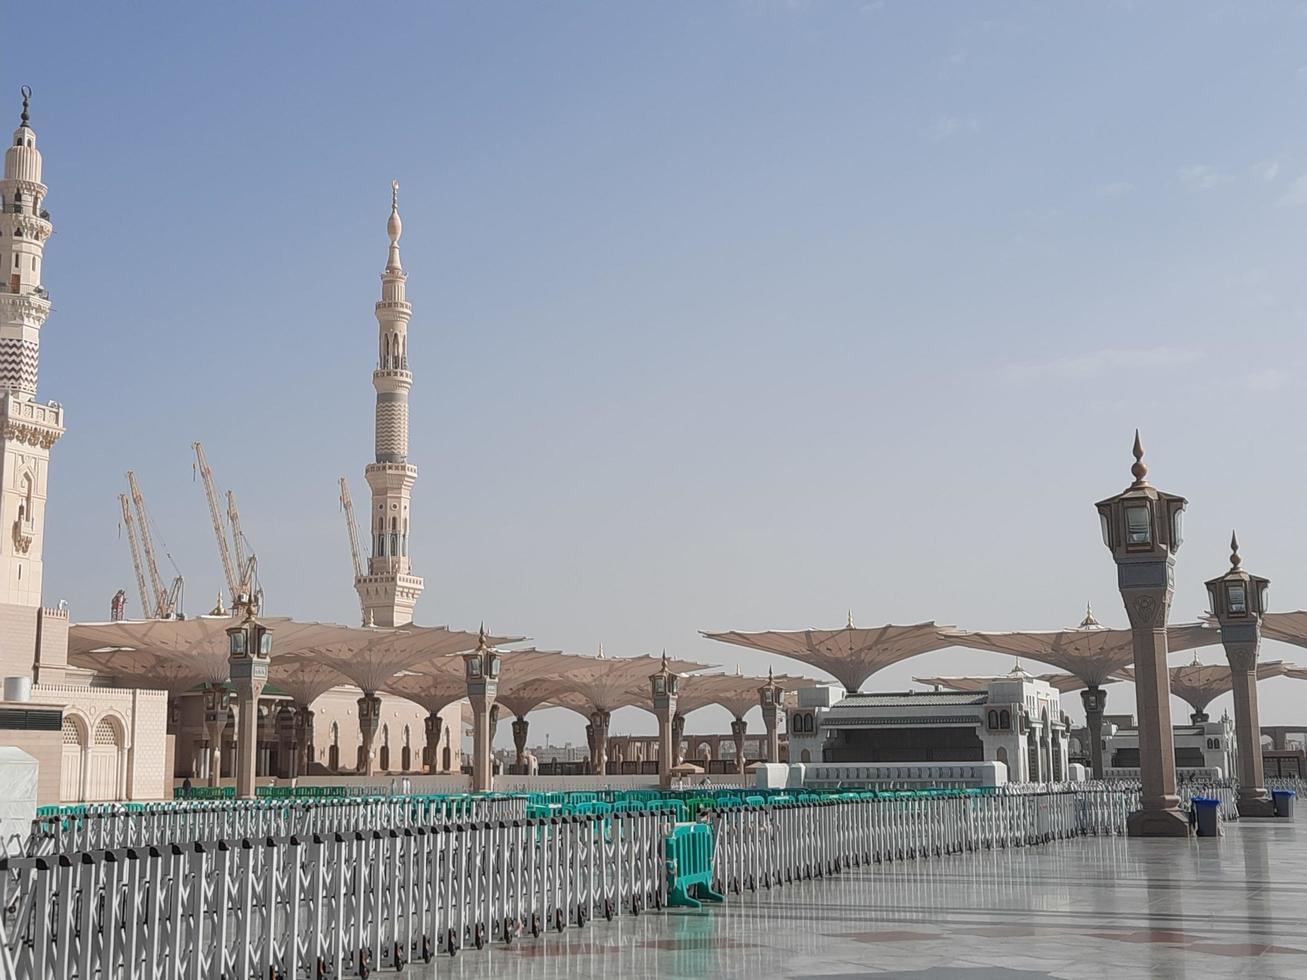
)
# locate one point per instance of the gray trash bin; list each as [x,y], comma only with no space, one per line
[1208,812]
[1283,802]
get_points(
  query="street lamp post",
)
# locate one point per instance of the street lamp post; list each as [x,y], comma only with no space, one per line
[664,686]
[1238,601]
[481,671]
[1143,528]
[249,647]
[769,699]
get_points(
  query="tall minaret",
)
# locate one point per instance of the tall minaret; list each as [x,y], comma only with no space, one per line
[27,429]
[389,591]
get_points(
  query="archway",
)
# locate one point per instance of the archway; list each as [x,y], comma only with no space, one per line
[74,752]
[104,761]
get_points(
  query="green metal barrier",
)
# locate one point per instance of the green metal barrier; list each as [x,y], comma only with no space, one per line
[689,866]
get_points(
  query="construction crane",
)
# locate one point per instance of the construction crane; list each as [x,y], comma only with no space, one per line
[347,505]
[247,565]
[130,523]
[219,532]
[167,602]
[147,546]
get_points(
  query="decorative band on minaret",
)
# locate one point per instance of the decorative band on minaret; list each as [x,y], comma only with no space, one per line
[389,590]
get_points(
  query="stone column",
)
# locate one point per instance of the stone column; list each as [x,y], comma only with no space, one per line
[590,744]
[215,723]
[482,773]
[1254,800]
[678,735]
[1160,814]
[248,690]
[738,729]
[520,726]
[771,720]
[369,722]
[1094,698]
[431,752]
[599,723]
[288,750]
[307,750]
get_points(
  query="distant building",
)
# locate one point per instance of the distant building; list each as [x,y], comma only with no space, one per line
[1206,748]
[1017,721]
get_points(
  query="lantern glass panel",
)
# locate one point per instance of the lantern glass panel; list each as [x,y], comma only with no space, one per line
[1138,527]
[1177,526]
[474,667]
[236,644]
[1261,597]
[265,644]
[1237,598]
[1107,530]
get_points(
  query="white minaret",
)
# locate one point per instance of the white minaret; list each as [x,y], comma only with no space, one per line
[389,590]
[27,429]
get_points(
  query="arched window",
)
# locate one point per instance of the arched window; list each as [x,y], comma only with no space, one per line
[394,535]
[1005,719]
[993,718]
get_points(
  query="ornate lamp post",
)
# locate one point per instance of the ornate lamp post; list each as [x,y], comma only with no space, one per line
[664,686]
[1142,527]
[769,699]
[1238,601]
[249,647]
[481,671]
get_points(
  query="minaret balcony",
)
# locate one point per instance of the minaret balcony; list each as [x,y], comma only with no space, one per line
[29,421]
[25,225]
[392,379]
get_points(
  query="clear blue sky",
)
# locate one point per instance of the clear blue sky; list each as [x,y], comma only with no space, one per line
[726,315]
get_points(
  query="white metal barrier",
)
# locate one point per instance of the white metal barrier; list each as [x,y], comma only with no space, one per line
[108,827]
[322,906]
[345,903]
[766,845]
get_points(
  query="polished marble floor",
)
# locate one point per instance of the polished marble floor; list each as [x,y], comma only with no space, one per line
[1102,908]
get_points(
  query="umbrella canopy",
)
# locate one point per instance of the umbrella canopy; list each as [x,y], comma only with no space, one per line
[1198,685]
[599,684]
[1063,683]
[1091,651]
[849,654]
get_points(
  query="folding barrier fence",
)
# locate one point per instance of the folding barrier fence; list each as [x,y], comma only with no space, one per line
[107,827]
[758,846]
[345,903]
[330,905]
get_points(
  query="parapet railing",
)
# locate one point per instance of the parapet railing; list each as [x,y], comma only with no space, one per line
[110,826]
[345,903]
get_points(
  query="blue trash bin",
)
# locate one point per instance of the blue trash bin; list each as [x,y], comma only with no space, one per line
[1283,802]
[1207,812]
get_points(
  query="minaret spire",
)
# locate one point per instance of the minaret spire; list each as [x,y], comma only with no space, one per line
[389,589]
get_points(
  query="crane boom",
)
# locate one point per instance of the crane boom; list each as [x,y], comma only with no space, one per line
[147,545]
[136,554]
[237,535]
[347,504]
[215,512]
